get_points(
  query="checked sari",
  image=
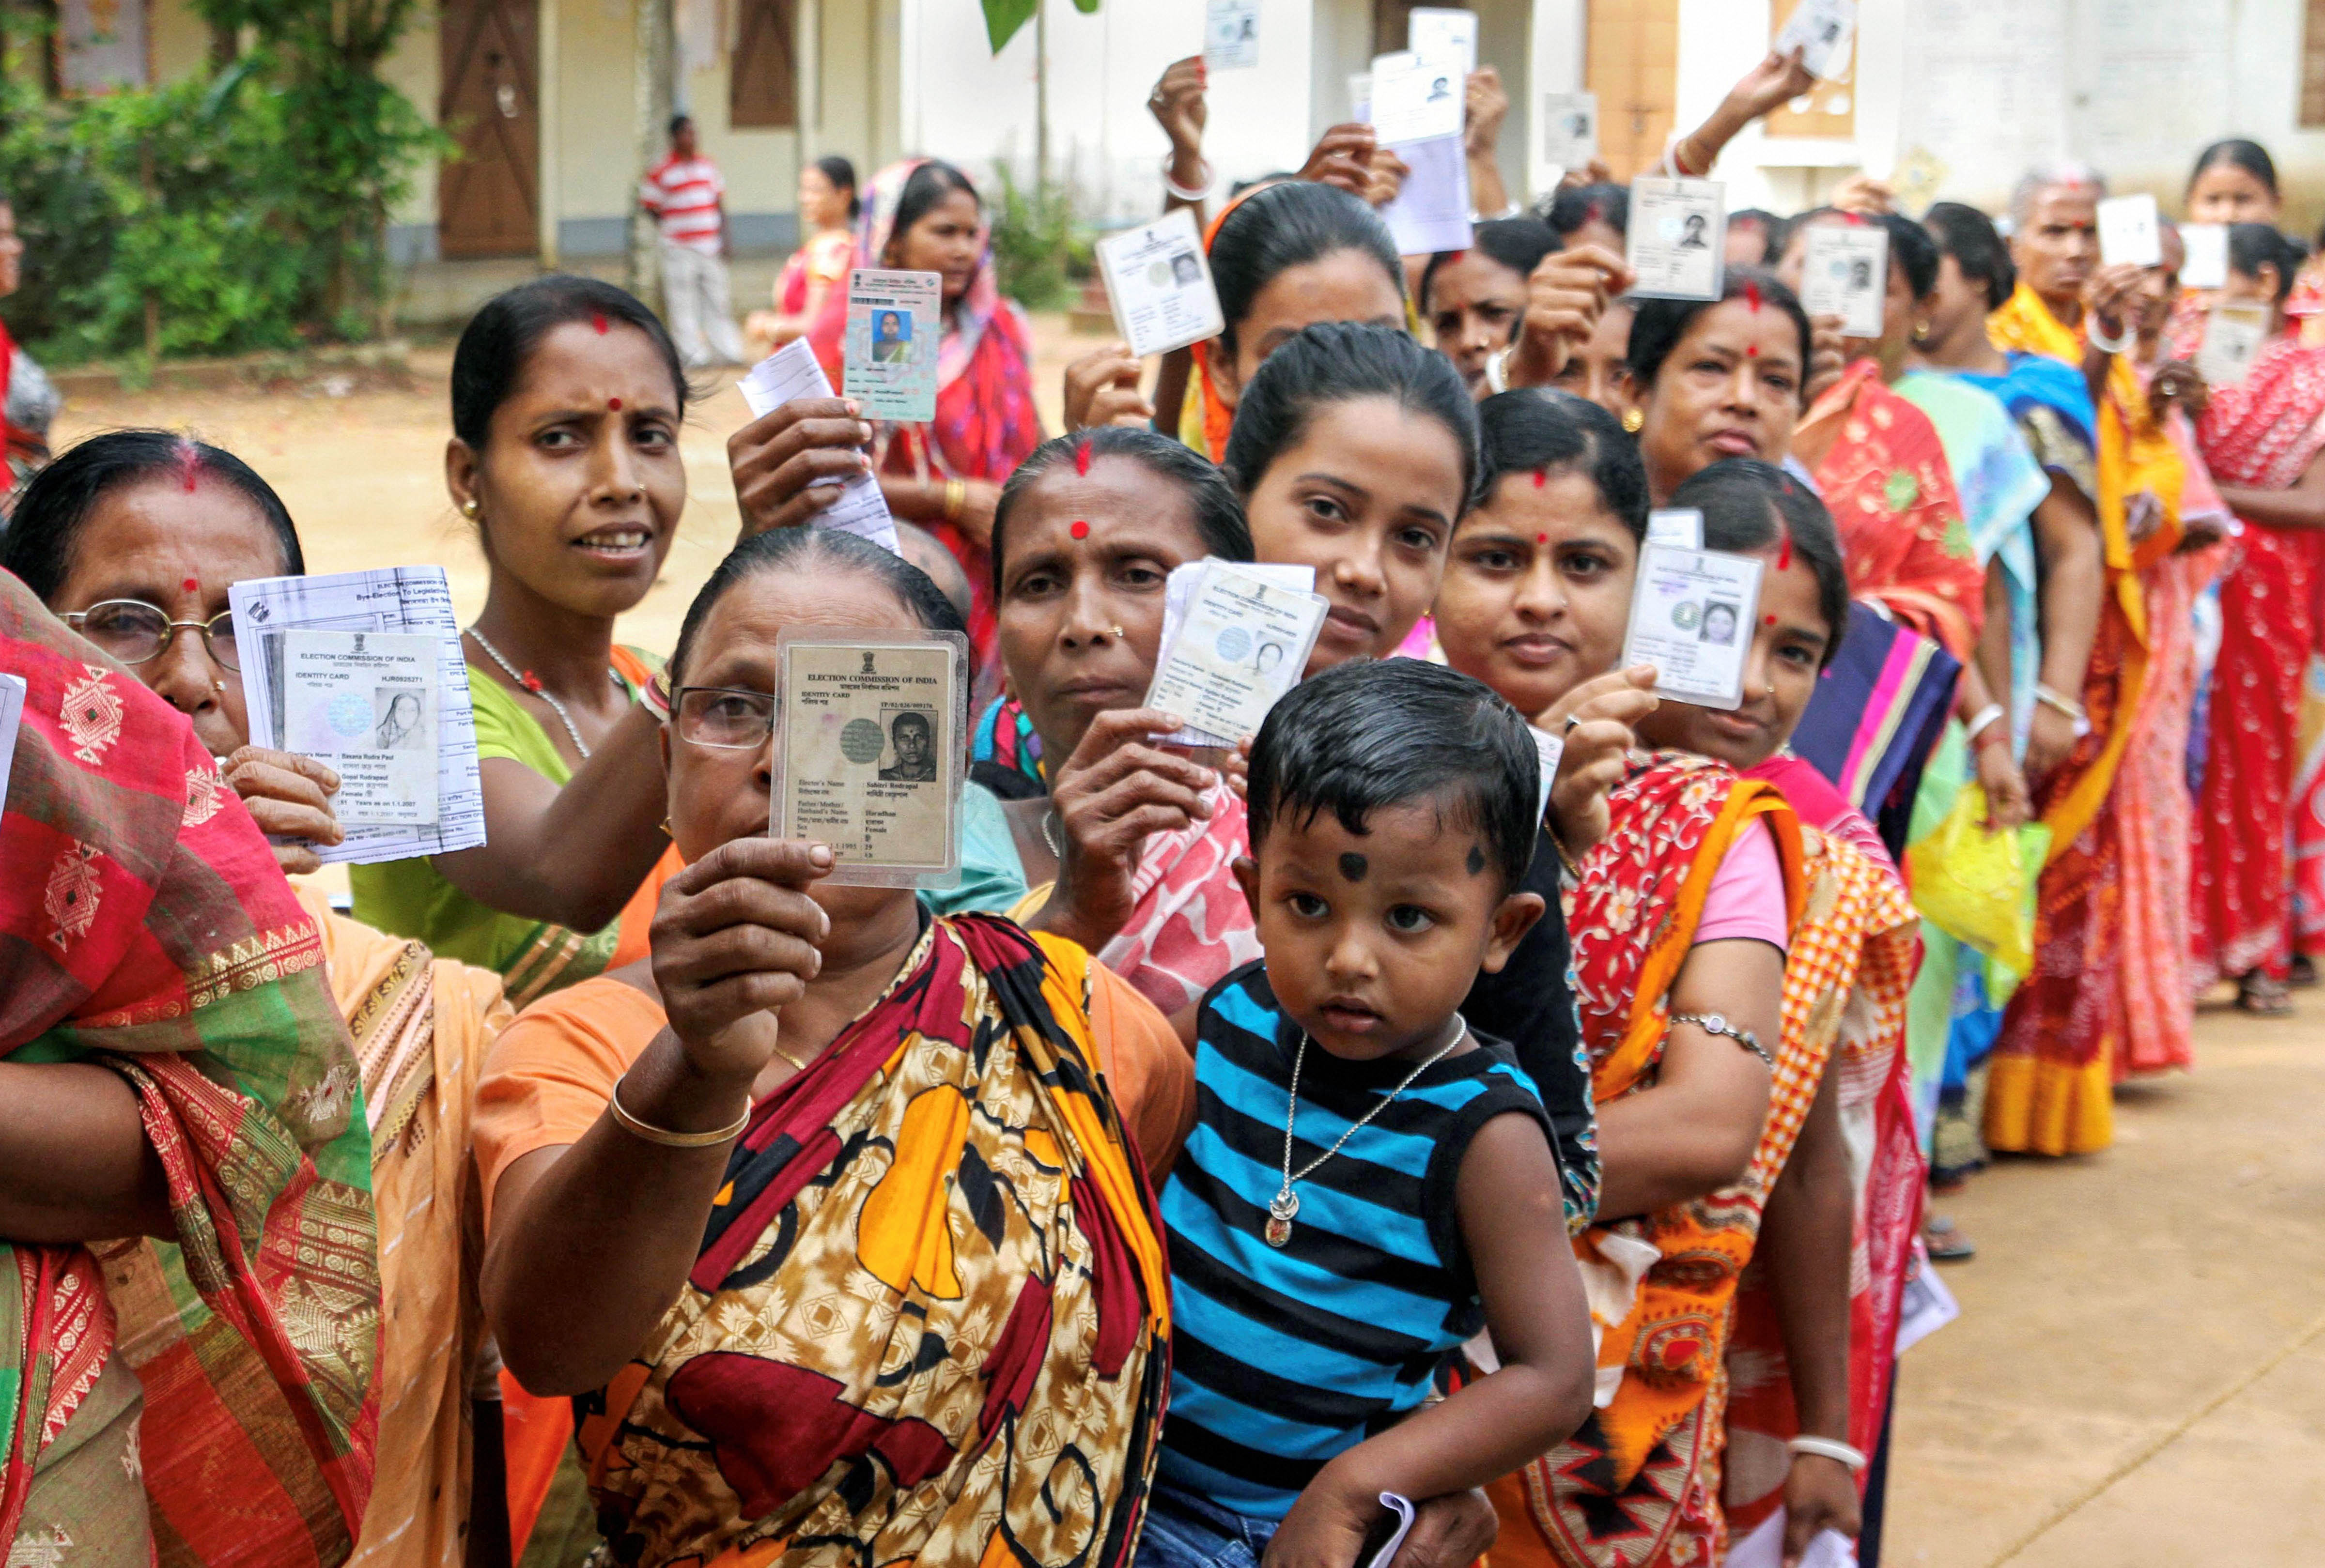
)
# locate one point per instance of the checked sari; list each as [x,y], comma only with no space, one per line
[144,927]
[1637,1484]
[929,1319]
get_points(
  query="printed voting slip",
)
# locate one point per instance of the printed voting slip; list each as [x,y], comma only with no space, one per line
[793,373]
[1692,618]
[1844,273]
[1681,527]
[870,751]
[1401,1511]
[1764,1548]
[1231,34]
[2234,335]
[303,679]
[1821,31]
[2206,264]
[1548,749]
[1678,238]
[11,718]
[2130,232]
[1431,210]
[1446,35]
[1415,99]
[894,321]
[365,703]
[1160,281]
[1569,129]
[1241,643]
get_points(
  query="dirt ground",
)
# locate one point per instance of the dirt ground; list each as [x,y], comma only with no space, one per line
[2138,1376]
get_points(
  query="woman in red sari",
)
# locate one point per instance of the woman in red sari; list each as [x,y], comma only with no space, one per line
[923,216]
[2262,438]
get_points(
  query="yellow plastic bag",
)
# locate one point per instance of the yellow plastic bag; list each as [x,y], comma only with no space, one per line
[1980,887]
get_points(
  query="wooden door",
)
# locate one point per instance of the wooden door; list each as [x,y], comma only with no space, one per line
[487,198]
[1632,63]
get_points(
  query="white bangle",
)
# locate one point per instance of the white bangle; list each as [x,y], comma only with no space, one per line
[1980,719]
[1200,193]
[1497,370]
[2105,344]
[2060,703]
[1830,1448]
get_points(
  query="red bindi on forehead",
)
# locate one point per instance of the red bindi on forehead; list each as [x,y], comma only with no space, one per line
[191,585]
[615,405]
[1081,529]
[1541,538]
[1751,351]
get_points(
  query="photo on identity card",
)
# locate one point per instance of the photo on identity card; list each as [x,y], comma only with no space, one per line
[891,347]
[1844,273]
[1692,618]
[365,703]
[1678,238]
[870,750]
[1241,643]
[1161,284]
[1569,129]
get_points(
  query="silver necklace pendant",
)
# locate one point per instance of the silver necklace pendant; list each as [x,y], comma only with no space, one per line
[1281,1210]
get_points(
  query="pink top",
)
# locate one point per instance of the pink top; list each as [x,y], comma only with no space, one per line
[1191,924]
[1747,897]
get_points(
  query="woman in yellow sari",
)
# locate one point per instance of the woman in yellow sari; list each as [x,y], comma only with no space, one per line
[2049,1089]
[873,1267]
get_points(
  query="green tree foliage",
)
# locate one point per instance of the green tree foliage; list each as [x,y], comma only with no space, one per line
[1038,248]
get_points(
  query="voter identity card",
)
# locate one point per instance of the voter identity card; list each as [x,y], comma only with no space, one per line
[1415,99]
[1569,129]
[1241,643]
[870,751]
[1844,273]
[1161,284]
[1679,526]
[1821,31]
[1449,36]
[1678,238]
[1916,180]
[2130,232]
[2234,335]
[1692,618]
[786,376]
[893,325]
[1231,34]
[2206,264]
[1432,210]
[365,703]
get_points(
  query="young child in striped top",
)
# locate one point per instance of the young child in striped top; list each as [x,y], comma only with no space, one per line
[1369,1182]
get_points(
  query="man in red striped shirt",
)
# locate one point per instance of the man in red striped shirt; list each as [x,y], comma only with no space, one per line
[689,200]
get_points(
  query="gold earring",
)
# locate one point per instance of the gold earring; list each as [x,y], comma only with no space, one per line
[469,506]
[1920,332]
[1634,420]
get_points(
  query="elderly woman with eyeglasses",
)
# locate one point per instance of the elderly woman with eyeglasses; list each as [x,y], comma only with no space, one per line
[133,538]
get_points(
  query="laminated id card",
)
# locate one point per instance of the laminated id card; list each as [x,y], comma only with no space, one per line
[1161,284]
[894,321]
[1231,34]
[1844,273]
[2130,232]
[2234,335]
[1692,618]
[870,751]
[1242,642]
[1569,129]
[1678,238]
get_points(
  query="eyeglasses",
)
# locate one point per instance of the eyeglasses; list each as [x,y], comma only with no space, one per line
[137,632]
[723,716]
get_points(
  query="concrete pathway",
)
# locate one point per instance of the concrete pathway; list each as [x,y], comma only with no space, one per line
[2138,1375]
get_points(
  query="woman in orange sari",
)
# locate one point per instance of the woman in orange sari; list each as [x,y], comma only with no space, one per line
[1679,917]
[2049,1090]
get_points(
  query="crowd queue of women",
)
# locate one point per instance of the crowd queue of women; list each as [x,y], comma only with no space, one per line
[617,1184]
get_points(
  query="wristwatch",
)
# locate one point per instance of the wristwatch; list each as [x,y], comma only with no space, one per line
[1713,1023]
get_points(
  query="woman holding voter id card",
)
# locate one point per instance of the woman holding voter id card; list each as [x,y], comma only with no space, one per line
[945,474]
[118,537]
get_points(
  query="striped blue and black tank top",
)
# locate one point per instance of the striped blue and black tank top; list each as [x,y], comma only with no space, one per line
[1282,1357]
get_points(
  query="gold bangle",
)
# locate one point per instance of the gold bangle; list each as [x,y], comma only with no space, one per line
[666,1138]
[955,499]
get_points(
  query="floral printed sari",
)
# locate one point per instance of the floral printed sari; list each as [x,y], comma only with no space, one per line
[149,932]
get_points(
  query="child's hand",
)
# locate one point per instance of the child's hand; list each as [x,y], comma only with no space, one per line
[1328,1526]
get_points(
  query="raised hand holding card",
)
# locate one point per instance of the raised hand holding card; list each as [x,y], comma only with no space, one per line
[1160,282]
[1691,616]
[1844,273]
[1678,238]
[894,322]
[1241,643]
[790,373]
[869,751]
